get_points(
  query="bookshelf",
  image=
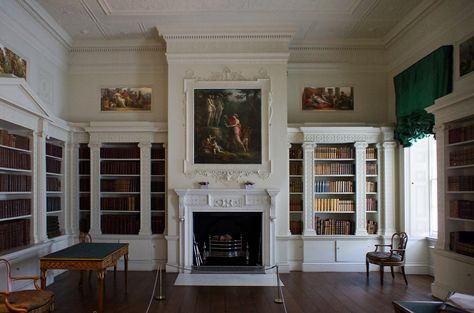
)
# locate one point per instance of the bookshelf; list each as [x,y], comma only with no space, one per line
[15,188]
[158,188]
[371,188]
[84,159]
[454,253]
[54,188]
[296,189]
[120,188]
[334,189]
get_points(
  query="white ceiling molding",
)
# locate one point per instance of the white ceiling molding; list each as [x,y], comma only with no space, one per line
[109,49]
[345,55]
[230,58]
[45,20]
[96,21]
[229,36]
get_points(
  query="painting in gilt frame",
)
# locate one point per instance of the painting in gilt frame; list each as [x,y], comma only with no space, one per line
[466,57]
[227,126]
[328,98]
[11,64]
[125,99]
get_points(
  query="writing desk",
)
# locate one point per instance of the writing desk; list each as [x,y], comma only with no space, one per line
[87,256]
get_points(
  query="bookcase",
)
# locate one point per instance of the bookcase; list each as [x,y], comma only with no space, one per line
[296,188]
[54,188]
[84,160]
[15,187]
[454,253]
[120,188]
[158,188]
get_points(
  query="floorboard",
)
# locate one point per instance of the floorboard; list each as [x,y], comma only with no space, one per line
[303,293]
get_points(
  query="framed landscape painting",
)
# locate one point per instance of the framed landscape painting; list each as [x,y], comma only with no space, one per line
[328,98]
[466,56]
[123,99]
[227,128]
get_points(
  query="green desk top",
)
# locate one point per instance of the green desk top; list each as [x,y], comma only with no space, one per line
[420,306]
[92,251]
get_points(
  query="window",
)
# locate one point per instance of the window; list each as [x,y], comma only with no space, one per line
[421,205]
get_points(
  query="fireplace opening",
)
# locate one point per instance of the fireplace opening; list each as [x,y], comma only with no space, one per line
[227,240]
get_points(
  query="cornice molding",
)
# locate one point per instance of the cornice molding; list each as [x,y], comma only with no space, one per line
[284,36]
[92,49]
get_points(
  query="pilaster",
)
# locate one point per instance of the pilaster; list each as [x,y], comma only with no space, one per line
[145,188]
[39,177]
[389,188]
[360,171]
[95,228]
[71,189]
[308,183]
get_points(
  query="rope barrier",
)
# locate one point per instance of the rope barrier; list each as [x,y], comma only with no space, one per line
[161,290]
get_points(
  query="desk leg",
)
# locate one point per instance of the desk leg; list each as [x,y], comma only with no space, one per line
[43,278]
[126,270]
[100,289]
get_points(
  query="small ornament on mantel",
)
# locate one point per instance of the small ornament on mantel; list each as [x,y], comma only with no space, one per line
[204,184]
[249,185]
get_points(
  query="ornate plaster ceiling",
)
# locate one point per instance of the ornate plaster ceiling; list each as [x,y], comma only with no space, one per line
[313,22]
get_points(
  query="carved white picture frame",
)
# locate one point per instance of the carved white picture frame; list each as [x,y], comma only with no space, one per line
[228,172]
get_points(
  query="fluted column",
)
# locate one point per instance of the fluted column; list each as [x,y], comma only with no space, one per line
[380,188]
[360,194]
[95,189]
[308,185]
[38,180]
[145,188]
[71,189]
[442,242]
[389,187]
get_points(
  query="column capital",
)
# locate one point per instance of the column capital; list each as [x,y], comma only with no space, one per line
[361,145]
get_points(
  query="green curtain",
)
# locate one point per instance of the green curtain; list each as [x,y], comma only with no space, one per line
[417,88]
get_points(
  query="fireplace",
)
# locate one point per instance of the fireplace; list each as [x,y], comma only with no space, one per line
[227,228]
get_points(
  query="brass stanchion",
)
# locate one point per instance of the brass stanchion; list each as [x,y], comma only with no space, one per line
[279,298]
[161,289]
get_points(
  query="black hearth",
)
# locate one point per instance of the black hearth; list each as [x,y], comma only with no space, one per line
[238,234]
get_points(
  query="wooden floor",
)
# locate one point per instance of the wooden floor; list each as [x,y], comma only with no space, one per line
[303,292]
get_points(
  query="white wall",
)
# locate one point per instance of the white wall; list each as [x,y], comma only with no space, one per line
[46,56]
[94,65]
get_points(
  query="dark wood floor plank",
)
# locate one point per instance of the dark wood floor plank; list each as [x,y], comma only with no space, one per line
[303,293]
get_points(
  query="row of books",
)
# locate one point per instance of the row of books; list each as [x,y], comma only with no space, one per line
[120,167]
[371,227]
[120,185]
[462,242]
[14,207]
[54,150]
[85,167]
[157,186]
[13,140]
[158,168]
[332,226]
[85,184]
[461,209]
[157,153]
[53,184]
[52,226]
[371,169]
[296,185]
[14,234]
[84,152]
[158,202]
[120,224]
[296,152]
[333,186]
[461,157]
[53,204]
[120,153]
[460,183]
[53,166]
[371,153]
[296,168]
[334,169]
[85,203]
[327,152]
[296,227]
[15,183]
[120,204]
[14,159]
[333,205]
[461,134]
[296,204]
[370,186]
[371,204]
[157,224]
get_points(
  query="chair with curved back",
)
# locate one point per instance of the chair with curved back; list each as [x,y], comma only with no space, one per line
[24,301]
[394,257]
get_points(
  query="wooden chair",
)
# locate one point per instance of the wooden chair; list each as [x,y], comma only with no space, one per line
[394,257]
[23,301]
